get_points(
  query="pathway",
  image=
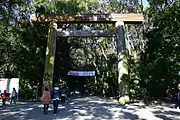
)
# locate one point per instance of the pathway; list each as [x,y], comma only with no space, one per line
[90,108]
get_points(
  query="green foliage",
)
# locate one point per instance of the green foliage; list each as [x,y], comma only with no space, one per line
[160,63]
[22,48]
[87,54]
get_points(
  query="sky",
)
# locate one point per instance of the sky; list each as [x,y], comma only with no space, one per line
[145,3]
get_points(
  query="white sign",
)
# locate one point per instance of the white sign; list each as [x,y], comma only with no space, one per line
[81,73]
[8,84]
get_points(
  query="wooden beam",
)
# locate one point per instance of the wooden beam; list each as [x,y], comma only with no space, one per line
[86,33]
[126,18]
[87,18]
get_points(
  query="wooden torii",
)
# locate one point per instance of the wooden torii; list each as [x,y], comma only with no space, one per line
[53,19]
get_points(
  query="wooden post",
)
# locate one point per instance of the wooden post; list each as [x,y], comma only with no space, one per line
[122,70]
[50,56]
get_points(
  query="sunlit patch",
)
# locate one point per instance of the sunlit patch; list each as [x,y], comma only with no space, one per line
[90,117]
[51,60]
[61,107]
[144,114]
[29,109]
[99,102]
[71,103]
[47,51]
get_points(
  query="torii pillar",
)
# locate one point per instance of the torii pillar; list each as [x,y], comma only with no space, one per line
[122,61]
[50,55]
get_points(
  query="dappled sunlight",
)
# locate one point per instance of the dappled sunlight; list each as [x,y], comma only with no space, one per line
[91,108]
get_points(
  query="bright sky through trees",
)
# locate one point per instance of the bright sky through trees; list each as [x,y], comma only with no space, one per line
[145,3]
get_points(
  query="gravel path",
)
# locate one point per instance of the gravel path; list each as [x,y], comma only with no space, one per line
[90,108]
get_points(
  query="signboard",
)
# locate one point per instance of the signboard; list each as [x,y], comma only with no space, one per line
[81,73]
[8,84]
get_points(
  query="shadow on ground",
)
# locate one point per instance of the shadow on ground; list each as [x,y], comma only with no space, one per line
[90,108]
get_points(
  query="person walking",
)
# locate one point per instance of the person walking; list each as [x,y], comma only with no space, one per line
[178,97]
[4,97]
[55,98]
[67,94]
[13,96]
[46,100]
[63,94]
[0,94]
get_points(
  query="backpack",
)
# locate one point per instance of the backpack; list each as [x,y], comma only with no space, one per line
[56,93]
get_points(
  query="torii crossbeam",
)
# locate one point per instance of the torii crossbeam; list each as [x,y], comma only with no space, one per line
[53,19]
[88,18]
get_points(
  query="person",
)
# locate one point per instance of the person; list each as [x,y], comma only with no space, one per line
[63,94]
[4,97]
[178,97]
[67,94]
[0,93]
[13,96]
[55,98]
[46,100]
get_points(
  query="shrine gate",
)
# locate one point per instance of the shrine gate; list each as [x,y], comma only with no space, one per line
[118,20]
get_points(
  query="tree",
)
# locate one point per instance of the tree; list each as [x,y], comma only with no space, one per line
[160,59]
[25,43]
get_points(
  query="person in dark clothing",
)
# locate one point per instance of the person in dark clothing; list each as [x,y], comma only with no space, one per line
[178,98]
[68,94]
[63,95]
[0,93]
[55,98]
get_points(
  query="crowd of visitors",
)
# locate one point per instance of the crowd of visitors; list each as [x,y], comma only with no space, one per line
[4,96]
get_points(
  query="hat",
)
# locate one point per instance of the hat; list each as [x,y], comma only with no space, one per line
[179,86]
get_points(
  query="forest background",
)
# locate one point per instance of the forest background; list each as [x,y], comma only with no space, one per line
[153,51]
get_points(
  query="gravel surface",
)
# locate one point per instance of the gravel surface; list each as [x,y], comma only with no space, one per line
[90,108]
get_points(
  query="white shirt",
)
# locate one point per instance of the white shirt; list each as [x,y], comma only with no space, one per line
[13,93]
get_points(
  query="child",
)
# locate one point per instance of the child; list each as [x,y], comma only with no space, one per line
[46,99]
[178,98]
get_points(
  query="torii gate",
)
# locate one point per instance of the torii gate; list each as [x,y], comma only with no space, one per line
[53,19]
